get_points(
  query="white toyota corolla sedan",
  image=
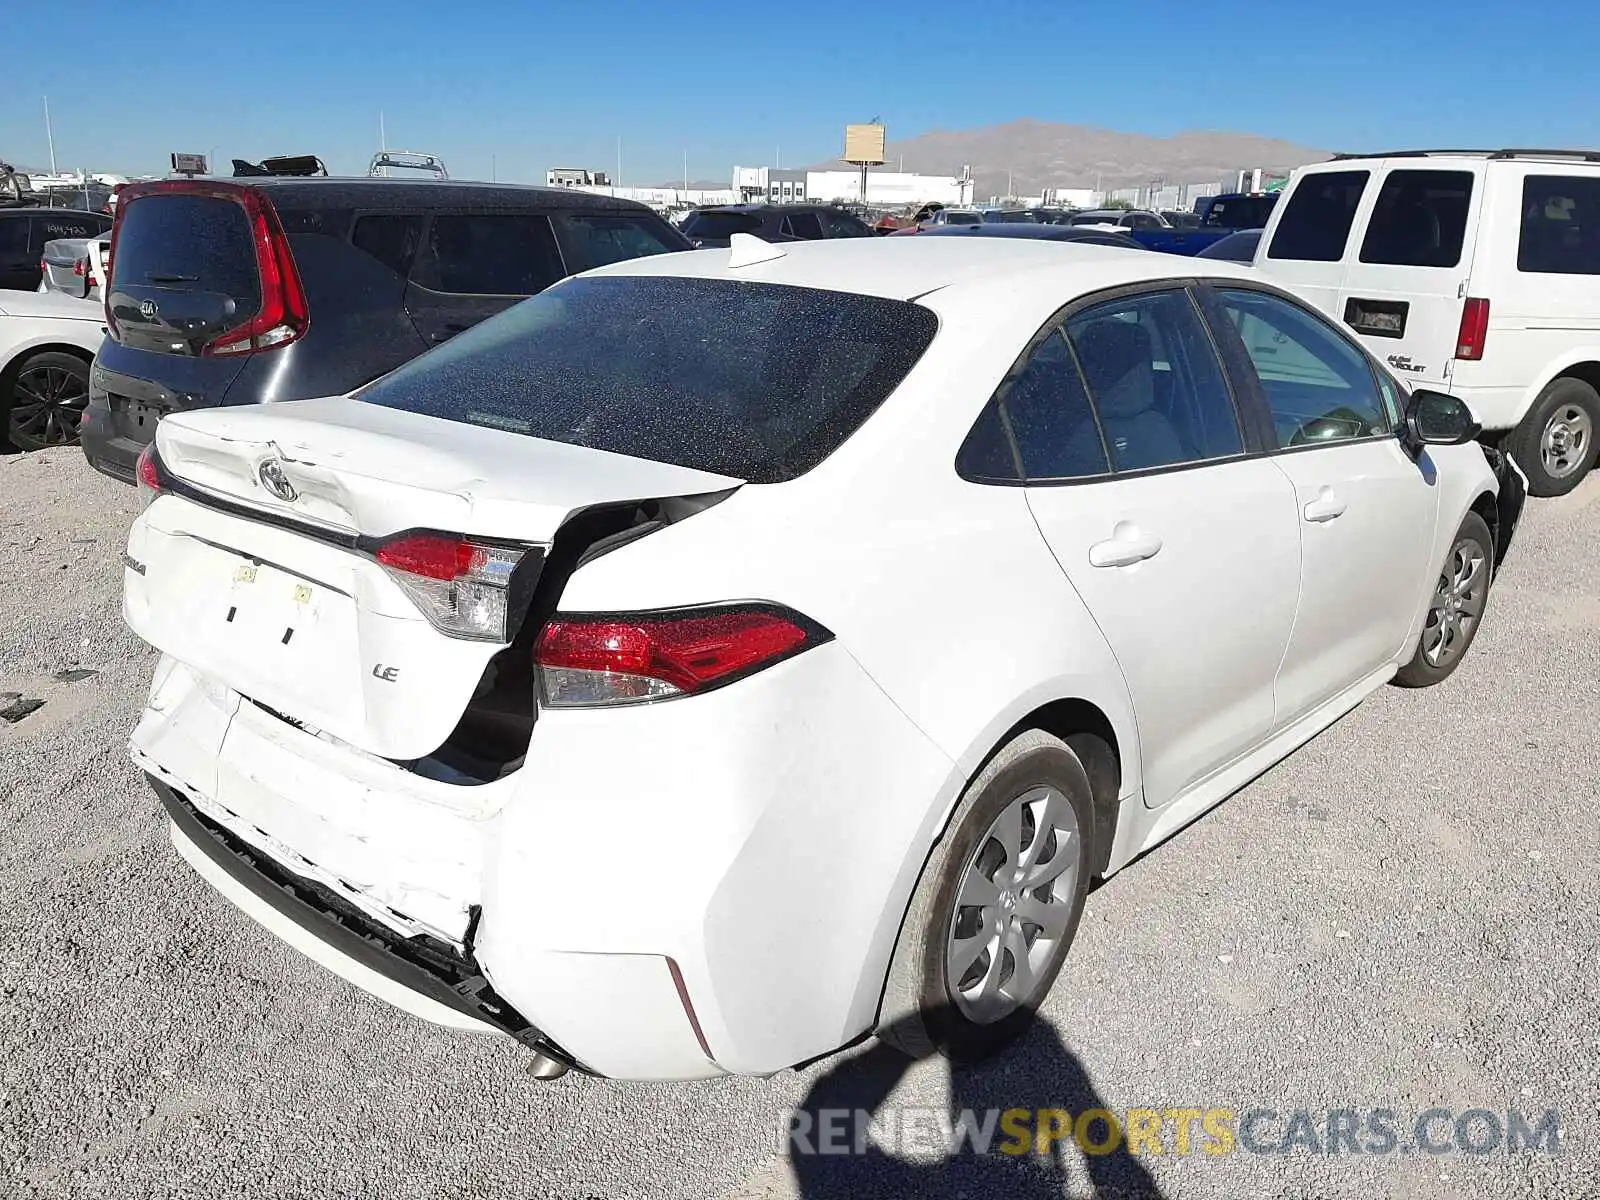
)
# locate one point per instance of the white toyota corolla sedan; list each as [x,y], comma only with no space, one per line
[723,655]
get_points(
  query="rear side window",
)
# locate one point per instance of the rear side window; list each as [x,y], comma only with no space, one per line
[1419,219]
[844,225]
[604,238]
[488,255]
[390,238]
[13,235]
[198,243]
[1156,382]
[802,225]
[1240,212]
[1560,225]
[720,224]
[757,381]
[49,226]
[1316,224]
[1057,437]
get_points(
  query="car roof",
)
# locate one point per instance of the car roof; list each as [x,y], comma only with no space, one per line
[363,191]
[904,268]
[770,208]
[1019,229]
[53,211]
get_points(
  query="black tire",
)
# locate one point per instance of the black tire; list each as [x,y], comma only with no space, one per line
[1569,409]
[42,399]
[1422,671]
[920,1013]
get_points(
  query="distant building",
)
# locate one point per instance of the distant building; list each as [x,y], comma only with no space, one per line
[890,189]
[574,177]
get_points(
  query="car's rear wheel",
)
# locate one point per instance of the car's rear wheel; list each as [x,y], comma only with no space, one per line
[1555,444]
[48,393]
[1456,608]
[997,906]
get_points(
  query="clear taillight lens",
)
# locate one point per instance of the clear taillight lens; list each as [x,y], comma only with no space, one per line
[463,587]
[626,658]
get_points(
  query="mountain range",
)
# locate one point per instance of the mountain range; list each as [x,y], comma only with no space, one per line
[1038,154]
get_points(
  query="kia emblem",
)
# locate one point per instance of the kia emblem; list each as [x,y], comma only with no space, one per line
[147,309]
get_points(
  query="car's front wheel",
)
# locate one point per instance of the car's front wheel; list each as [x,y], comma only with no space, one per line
[1456,607]
[48,392]
[997,906]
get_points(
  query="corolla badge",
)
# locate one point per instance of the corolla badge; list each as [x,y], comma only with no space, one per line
[147,309]
[271,475]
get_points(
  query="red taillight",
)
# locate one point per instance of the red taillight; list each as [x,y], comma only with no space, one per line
[284,315]
[147,474]
[1474,329]
[80,268]
[463,587]
[112,331]
[433,556]
[619,658]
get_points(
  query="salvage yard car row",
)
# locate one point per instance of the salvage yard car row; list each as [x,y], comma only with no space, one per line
[902,586]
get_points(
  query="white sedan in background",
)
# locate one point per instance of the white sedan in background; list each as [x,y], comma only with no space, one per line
[723,655]
[47,343]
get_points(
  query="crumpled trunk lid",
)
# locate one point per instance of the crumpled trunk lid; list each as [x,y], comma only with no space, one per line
[257,568]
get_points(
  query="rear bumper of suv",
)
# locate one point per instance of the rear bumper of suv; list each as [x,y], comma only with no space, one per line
[669,891]
[109,449]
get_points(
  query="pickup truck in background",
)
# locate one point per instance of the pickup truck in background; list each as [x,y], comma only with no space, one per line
[1219,216]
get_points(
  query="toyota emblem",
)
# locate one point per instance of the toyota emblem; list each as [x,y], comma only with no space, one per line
[271,475]
[147,309]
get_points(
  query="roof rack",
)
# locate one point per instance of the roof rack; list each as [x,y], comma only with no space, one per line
[1584,155]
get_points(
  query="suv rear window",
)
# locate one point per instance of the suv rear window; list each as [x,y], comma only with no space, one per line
[720,224]
[757,381]
[1316,224]
[198,243]
[1240,212]
[1419,220]
[1560,225]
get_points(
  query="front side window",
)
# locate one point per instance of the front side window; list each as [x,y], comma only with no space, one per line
[1319,386]
[488,255]
[1560,225]
[1419,219]
[1155,381]
[1316,224]
[753,380]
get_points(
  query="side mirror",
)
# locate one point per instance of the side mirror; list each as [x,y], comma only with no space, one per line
[1436,419]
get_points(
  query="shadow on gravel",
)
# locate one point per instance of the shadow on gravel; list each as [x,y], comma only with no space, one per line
[845,1109]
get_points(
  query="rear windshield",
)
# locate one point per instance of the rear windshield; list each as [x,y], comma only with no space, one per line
[1560,225]
[1316,225]
[199,243]
[1240,212]
[720,224]
[757,381]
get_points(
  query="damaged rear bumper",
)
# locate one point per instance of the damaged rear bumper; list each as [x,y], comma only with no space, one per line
[421,974]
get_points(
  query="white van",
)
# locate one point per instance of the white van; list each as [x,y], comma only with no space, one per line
[1473,272]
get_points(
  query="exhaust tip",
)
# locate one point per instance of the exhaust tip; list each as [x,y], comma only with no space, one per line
[542,1066]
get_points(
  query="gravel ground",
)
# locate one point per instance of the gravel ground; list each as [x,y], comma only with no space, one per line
[1402,915]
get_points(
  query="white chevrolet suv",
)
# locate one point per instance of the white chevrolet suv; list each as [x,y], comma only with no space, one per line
[1475,273]
[722,655]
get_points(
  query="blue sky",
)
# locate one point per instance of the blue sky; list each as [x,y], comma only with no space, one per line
[555,84]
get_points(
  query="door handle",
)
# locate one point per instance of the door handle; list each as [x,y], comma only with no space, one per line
[1124,547]
[1326,507]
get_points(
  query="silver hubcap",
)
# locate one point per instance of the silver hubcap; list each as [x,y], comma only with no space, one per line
[47,404]
[1566,440]
[1011,914]
[1457,603]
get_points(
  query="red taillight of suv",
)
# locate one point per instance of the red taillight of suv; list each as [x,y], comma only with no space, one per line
[586,660]
[1474,329]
